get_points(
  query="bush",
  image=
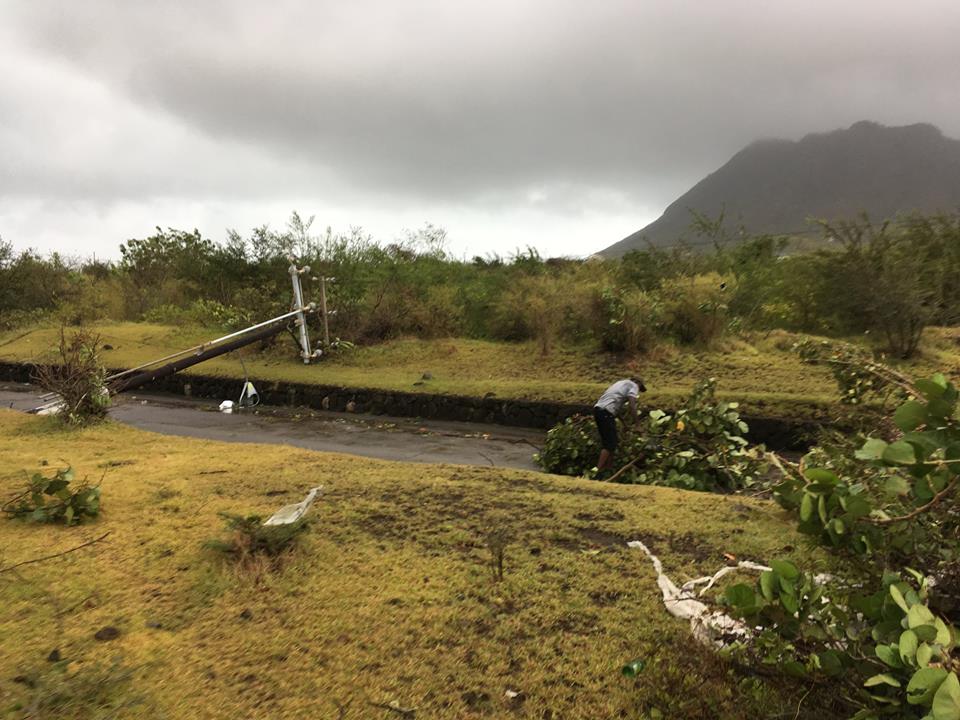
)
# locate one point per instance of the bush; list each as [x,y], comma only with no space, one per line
[627,320]
[76,376]
[694,308]
[698,447]
[49,499]
[250,538]
[872,632]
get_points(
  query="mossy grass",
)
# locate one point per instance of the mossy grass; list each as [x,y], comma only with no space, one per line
[388,597]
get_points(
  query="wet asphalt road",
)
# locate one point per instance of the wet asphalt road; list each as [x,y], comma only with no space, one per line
[404,439]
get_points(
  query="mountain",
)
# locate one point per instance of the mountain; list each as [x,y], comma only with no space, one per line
[774,186]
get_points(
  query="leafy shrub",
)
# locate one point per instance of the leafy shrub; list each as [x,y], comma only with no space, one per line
[250,537]
[627,321]
[77,377]
[899,503]
[873,635]
[13,319]
[49,499]
[698,447]
[885,651]
[694,308]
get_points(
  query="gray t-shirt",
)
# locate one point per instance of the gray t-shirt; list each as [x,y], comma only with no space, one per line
[617,394]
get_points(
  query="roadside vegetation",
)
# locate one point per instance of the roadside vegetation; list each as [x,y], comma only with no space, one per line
[523,326]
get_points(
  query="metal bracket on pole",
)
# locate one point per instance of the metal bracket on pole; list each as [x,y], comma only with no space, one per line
[301,321]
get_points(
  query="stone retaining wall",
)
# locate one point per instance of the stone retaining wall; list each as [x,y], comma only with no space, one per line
[775,433]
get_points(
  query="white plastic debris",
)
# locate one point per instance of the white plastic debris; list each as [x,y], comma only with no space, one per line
[51,408]
[709,628]
[226,407]
[512,694]
[291,513]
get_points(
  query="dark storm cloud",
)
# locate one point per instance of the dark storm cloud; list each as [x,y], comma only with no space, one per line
[452,98]
[493,104]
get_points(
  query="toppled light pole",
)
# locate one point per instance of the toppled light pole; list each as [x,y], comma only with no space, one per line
[301,321]
[323,309]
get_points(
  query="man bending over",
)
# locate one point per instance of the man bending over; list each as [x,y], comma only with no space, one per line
[605,413]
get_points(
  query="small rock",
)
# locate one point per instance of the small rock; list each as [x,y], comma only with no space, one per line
[427,376]
[351,406]
[107,346]
[154,624]
[54,655]
[107,633]
[246,614]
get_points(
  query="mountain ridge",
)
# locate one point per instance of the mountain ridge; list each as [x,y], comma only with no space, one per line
[774,185]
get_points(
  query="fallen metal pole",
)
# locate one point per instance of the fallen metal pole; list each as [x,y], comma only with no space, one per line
[135,381]
[202,346]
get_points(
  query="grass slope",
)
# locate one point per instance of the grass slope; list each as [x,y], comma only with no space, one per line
[388,598]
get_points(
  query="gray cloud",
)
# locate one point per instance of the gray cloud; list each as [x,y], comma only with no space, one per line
[553,107]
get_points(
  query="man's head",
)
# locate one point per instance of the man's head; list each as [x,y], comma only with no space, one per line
[639,383]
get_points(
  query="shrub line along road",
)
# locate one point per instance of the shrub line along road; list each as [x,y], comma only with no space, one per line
[404,439]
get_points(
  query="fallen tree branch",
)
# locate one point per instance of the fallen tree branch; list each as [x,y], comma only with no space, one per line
[626,467]
[55,555]
[920,510]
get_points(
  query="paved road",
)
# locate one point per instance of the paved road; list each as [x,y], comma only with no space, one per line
[366,435]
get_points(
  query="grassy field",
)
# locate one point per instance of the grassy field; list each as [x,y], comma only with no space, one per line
[760,370]
[388,598]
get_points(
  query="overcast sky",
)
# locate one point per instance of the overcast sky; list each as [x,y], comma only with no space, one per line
[559,124]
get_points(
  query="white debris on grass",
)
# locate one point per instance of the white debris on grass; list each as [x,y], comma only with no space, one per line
[708,627]
[289,514]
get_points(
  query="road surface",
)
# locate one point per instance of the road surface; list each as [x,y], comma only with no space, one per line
[403,439]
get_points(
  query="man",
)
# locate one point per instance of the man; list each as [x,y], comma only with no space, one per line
[606,410]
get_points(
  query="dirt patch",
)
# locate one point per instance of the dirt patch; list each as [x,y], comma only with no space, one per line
[604,538]
[605,597]
[604,516]
[685,544]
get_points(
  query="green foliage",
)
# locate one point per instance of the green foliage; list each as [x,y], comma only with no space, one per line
[701,446]
[695,308]
[250,537]
[897,278]
[698,447]
[50,499]
[896,499]
[860,376]
[890,502]
[627,320]
[76,375]
[892,654]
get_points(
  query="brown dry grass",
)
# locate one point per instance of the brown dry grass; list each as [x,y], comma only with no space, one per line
[389,596]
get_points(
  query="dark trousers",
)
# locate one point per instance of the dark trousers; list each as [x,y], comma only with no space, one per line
[607,425]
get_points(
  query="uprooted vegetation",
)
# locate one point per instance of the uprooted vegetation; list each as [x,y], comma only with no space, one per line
[250,540]
[394,596]
[700,446]
[51,499]
[75,377]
